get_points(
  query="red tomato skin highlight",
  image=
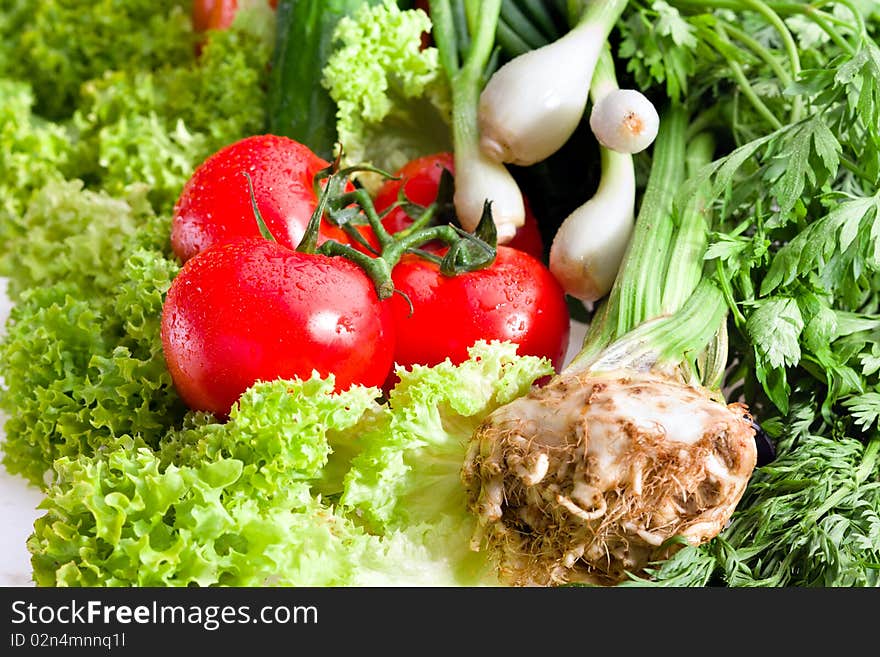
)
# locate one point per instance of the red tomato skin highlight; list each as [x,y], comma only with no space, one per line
[516,299]
[216,14]
[214,206]
[420,179]
[253,310]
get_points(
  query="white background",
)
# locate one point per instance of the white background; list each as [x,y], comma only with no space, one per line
[18,502]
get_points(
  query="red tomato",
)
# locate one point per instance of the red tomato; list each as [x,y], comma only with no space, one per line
[528,236]
[516,298]
[216,14]
[254,310]
[421,180]
[215,204]
[201,14]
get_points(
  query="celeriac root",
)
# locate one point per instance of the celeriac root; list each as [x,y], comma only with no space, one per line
[587,478]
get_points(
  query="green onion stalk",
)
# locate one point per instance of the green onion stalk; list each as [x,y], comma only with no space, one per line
[630,451]
[464,32]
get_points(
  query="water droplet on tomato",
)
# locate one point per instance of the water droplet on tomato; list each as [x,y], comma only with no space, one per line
[516,323]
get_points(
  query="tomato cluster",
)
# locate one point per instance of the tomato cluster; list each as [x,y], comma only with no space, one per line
[251,303]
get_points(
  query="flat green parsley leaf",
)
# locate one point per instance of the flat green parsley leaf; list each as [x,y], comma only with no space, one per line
[834,234]
[775,328]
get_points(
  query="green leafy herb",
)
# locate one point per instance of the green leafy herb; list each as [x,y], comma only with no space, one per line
[792,91]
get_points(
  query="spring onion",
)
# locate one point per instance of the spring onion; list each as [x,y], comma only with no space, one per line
[464,56]
[532,105]
[624,120]
[589,244]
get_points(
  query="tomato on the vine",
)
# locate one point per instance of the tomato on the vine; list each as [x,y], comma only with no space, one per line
[215,204]
[254,310]
[420,179]
[516,298]
[246,308]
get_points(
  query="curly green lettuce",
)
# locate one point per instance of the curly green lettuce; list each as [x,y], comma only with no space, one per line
[33,152]
[246,502]
[233,508]
[59,45]
[156,126]
[391,96]
[82,357]
[410,472]
[133,118]
[71,234]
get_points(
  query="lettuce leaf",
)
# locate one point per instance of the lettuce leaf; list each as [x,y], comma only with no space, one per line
[71,234]
[82,356]
[407,476]
[85,211]
[392,99]
[234,508]
[33,152]
[156,126]
[127,114]
[241,503]
[409,472]
[60,45]
[121,521]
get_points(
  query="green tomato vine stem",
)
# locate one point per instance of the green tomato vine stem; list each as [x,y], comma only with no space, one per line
[466,252]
